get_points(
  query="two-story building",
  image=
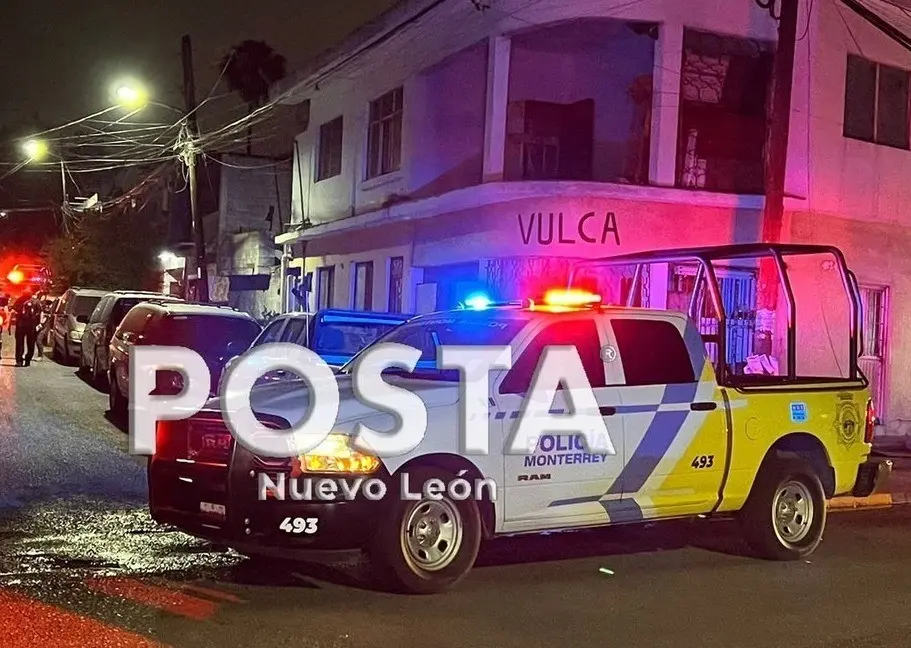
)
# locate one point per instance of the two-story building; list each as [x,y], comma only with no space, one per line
[451,147]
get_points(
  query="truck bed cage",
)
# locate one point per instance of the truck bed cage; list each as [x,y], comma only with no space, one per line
[705,258]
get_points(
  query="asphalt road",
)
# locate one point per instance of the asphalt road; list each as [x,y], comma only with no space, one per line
[81,564]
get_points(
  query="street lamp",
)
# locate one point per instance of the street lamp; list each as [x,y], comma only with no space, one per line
[35,149]
[131,96]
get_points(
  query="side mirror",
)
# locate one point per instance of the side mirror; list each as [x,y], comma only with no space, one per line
[82,319]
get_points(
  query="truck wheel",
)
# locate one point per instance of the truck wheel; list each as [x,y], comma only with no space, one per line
[426,546]
[785,514]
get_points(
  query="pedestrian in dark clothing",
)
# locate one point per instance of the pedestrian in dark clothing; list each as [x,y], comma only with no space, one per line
[28,315]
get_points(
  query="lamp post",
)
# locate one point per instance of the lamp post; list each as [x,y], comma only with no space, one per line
[133,96]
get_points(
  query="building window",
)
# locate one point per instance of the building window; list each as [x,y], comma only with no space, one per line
[329,162]
[384,146]
[872,360]
[363,286]
[724,85]
[396,284]
[325,286]
[876,103]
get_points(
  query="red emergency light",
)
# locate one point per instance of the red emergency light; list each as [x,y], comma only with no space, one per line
[16,276]
[571,297]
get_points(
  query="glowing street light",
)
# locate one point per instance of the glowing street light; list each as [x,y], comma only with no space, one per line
[131,96]
[35,149]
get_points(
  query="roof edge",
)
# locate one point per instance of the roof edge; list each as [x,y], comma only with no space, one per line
[350,47]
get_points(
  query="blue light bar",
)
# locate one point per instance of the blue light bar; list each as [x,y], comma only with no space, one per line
[477,301]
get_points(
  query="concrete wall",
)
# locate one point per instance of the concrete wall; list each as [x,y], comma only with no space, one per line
[251,189]
[442,93]
[851,178]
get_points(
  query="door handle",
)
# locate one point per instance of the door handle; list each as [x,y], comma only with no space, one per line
[704,407]
[607,411]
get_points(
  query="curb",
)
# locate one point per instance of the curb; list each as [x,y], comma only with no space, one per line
[881,500]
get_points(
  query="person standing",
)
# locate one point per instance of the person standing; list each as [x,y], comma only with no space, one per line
[28,317]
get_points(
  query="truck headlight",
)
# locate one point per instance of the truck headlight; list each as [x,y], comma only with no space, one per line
[335,454]
[76,336]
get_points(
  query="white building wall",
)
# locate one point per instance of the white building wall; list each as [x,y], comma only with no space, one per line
[452,29]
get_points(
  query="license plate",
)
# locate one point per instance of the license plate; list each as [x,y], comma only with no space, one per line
[214,509]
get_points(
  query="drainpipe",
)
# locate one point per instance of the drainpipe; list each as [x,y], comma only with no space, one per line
[286,259]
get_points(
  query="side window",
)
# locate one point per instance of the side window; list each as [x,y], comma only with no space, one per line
[271,334]
[652,352]
[294,332]
[98,313]
[583,334]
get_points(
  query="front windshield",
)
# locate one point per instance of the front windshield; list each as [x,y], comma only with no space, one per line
[460,329]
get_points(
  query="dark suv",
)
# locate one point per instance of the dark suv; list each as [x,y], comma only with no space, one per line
[214,332]
[107,316]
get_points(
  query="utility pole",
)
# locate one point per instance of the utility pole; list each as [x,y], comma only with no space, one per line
[199,239]
[776,154]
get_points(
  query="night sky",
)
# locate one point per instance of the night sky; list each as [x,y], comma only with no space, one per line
[60,56]
[63,57]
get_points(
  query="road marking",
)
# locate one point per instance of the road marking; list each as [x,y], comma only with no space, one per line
[162,598]
[30,624]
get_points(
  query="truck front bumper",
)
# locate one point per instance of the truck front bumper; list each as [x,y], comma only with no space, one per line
[872,477]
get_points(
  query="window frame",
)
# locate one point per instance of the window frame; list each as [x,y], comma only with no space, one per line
[328,160]
[368,281]
[877,75]
[395,300]
[384,124]
[322,271]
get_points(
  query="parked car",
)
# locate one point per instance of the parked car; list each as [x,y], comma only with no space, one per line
[336,335]
[68,322]
[215,332]
[105,319]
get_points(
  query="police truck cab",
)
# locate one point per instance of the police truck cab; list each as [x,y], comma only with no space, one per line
[689,438]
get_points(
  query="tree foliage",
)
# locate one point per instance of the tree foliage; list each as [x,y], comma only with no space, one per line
[117,251]
[251,67]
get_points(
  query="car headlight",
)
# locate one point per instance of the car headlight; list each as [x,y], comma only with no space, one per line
[76,336]
[335,454]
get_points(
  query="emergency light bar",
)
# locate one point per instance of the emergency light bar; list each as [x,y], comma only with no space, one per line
[571,297]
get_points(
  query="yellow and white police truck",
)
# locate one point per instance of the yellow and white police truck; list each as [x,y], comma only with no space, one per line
[691,438]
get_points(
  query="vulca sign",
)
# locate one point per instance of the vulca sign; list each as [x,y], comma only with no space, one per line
[321,402]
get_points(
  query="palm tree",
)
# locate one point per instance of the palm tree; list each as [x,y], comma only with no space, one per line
[250,68]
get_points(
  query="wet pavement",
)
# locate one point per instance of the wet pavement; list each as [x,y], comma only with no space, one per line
[82,564]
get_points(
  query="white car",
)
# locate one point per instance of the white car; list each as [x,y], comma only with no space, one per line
[684,437]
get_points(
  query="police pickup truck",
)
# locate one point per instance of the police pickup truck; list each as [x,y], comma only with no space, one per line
[769,450]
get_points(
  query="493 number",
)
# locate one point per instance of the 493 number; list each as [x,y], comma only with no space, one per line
[299,525]
[703,461]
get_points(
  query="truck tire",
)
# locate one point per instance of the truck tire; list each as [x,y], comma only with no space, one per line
[426,546]
[785,514]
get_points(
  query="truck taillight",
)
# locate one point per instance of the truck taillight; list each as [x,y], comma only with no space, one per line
[871,422]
